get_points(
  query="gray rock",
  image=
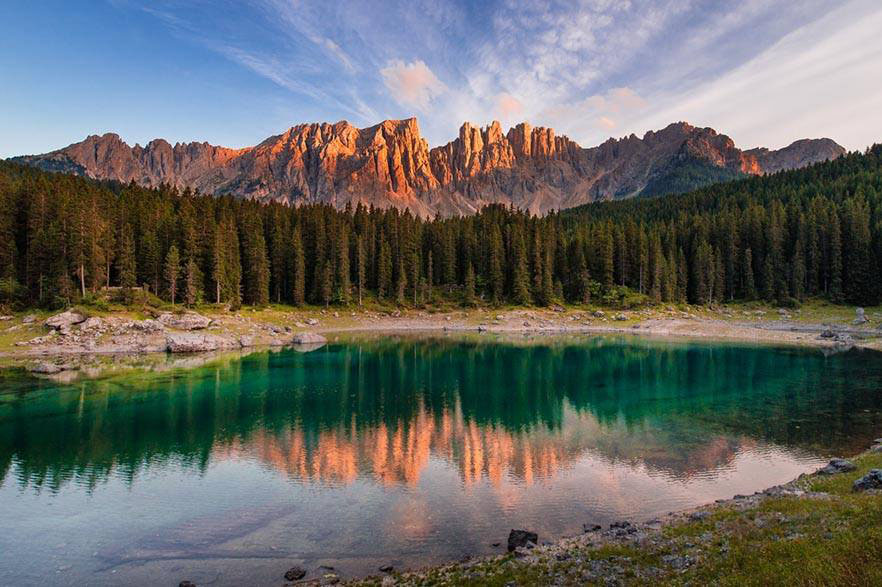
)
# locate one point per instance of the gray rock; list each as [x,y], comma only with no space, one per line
[194,343]
[872,480]
[312,322]
[295,573]
[93,323]
[148,325]
[520,539]
[837,466]
[29,319]
[5,318]
[185,321]
[621,317]
[482,328]
[598,314]
[308,338]
[65,320]
[828,334]
[245,341]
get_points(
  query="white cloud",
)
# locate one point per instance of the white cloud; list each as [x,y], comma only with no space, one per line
[412,84]
[820,80]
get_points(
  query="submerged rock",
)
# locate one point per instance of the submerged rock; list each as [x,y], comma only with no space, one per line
[185,321]
[837,466]
[45,368]
[521,538]
[308,338]
[872,480]
[65,320]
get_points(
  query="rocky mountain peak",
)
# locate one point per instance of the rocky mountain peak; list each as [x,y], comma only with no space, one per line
[391,164]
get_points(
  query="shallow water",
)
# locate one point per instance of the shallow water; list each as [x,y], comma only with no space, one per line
[402,451]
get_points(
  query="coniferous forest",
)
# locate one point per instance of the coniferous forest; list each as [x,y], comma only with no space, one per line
[780,238]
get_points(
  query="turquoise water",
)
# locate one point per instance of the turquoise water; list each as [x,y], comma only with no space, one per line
[402,451]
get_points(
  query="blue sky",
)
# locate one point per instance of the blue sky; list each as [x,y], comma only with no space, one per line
[234,72]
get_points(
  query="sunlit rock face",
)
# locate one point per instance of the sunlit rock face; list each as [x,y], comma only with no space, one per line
[391,165]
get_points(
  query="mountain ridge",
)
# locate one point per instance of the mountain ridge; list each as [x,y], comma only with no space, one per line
[391,164]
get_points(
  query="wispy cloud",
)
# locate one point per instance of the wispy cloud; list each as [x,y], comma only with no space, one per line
[412,84]
[590,68]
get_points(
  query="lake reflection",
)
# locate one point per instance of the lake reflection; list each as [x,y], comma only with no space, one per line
[401,450]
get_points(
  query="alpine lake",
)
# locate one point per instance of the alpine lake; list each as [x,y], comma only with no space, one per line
[402,450]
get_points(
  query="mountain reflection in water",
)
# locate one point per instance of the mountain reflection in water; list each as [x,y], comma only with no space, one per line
[440,439]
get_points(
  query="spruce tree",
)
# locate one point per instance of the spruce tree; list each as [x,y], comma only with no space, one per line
[172,272]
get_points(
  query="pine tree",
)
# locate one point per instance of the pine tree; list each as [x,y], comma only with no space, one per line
[384,269]
[519,281]
[401,283]
[191,290]
[128,275]
[468,292]
[172,272]
[361,267]
[495,276]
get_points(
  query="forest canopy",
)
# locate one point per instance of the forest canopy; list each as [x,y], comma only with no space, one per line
[810,232]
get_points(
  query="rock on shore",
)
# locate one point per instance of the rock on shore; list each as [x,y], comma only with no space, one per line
[185,321]
[187,342]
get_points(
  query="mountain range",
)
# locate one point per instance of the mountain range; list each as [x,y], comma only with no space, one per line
[391,164]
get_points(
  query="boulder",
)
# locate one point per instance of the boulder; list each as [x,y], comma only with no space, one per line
[29,319]
[828,334]
[93,323]
[65,320]
[312,322]
[5,318]
[621,317]
[521,538]
[308,338]
[837,466]
[246,341]
[295,573]
[185,321]
[148,325]
[599,314]
[193,343]
[872,480]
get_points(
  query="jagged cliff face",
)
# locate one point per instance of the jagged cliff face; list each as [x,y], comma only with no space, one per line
[390,164]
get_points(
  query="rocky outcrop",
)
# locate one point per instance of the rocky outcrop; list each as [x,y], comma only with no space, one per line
[390,164]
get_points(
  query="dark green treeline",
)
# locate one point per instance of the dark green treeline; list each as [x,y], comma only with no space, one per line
[781,238]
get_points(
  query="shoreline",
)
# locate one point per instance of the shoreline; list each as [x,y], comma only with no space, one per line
[118,334]
[629,538]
